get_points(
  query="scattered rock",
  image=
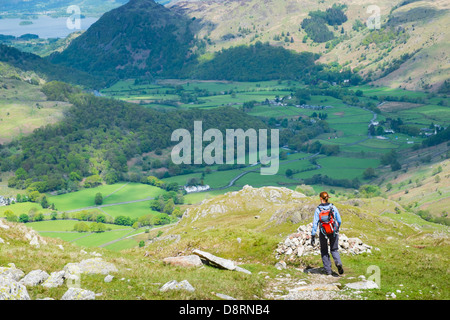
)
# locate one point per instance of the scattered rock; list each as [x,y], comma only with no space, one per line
[321,287]
[109,278]
[184,261]
[12,272]
[78,294]
[2,241]
[12,290]
[56,279]
[3,225]
[34,278]
[362,285]
[175,285]
[280,265]
[299,244]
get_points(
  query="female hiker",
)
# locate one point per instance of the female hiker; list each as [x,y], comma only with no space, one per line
[329,220]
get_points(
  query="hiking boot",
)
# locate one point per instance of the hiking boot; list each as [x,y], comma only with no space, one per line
[340,269]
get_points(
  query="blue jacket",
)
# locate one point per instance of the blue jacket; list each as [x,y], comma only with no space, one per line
[324,206]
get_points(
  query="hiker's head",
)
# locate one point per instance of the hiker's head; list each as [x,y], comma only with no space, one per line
[324,196]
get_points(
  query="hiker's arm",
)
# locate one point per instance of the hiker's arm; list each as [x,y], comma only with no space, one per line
[337,215]
[315,222]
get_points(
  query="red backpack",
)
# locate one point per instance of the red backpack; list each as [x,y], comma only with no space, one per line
[327,222]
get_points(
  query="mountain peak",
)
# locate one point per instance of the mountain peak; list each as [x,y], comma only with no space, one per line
[140,38]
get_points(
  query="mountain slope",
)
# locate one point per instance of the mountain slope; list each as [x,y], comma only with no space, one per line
[246,226]
[141,38]
[415,28]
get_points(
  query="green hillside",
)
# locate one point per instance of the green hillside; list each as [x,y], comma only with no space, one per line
[141,38]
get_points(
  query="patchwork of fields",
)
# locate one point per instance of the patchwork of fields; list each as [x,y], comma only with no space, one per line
[349,124]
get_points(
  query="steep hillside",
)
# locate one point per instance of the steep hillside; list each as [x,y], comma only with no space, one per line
[23,105]
[141,38]
[31,63]
[410,50]
[245,226]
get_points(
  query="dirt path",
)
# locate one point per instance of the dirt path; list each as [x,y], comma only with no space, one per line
[306,284]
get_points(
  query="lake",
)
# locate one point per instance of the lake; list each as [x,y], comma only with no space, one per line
[45,27]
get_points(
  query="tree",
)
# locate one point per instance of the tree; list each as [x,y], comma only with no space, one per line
[100,218]
[44,202]
[289,173]
[10,216]
[369,173]
[39,217]
[81,227]
[54,215]
[24,218]
[170,205]
[98,199]
[97,227]
[141,243]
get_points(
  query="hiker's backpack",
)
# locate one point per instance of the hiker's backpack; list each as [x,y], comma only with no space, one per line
[327,222]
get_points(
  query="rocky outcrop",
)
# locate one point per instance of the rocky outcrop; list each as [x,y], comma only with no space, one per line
[299,244]
[10,289]
[12,272]
[266,199]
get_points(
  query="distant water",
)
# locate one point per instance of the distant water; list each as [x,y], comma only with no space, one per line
[45,27]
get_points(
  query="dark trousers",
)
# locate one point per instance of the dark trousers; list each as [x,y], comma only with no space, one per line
[334,246]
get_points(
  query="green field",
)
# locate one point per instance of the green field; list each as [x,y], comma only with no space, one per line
[83,198]
[64,225]
[132,210]
[115,193]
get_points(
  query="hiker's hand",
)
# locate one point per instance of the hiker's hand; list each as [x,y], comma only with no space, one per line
[313,240]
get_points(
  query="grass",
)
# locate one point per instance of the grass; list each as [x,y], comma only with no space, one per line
[133,191]
[23,208]
[132,210]
[83,198]
[23,108]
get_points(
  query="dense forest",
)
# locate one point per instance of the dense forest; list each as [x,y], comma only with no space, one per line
[98,136]
[256,63]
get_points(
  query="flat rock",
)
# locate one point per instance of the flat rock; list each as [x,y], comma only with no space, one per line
[78,294]
[184,261]
[218,262]
[215,261]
